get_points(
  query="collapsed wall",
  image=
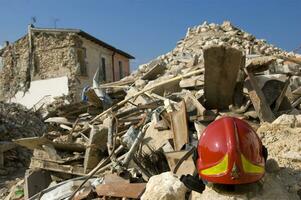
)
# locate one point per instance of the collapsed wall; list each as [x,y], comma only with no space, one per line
[41,56]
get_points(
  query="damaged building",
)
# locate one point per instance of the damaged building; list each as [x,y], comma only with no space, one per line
[57,62]
[158,123]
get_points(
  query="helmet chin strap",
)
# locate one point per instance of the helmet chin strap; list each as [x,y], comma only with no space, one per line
[191,182]
[185,157]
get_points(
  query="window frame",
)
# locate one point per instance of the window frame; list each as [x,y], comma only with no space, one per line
[121,71]
[103,68]
[83,67]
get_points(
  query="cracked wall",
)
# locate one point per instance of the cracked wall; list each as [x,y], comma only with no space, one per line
[56,54]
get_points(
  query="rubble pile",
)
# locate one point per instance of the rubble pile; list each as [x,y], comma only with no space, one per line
[17,122]
[189,50]
[124,141]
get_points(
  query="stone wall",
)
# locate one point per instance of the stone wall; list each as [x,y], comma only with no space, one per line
[55,54]
[13,74]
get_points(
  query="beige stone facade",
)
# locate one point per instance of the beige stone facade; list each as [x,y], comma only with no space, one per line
[51,53]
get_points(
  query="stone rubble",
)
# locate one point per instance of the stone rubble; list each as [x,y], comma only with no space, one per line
[189,50]
[172,88]
[165,186]
[18,122]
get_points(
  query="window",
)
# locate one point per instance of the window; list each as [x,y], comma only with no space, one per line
[120,70]
[81,58]
[103,69]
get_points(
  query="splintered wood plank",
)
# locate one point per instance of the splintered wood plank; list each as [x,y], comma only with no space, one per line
[37,142]
[282,95]
[179,126]
[52,166]
[264,111]
[128,190]
[221,69]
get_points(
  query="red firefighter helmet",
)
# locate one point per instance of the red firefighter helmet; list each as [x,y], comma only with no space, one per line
[230,152]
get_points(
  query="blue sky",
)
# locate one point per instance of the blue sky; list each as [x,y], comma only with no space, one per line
[149,28]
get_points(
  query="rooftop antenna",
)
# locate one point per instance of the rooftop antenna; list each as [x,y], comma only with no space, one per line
[33,20]
[55,20]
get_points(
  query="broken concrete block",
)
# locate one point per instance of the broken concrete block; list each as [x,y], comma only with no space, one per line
[259,64]
[165,186]
[288,121]
[156,70]
[222,64]
[97,141]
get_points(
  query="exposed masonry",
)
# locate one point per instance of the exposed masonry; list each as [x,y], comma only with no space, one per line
[53,54]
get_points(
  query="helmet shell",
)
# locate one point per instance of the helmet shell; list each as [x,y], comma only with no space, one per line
[230,152]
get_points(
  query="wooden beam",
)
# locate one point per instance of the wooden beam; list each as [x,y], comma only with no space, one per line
[121,103]
[179,127]
[264,111]
[282,95]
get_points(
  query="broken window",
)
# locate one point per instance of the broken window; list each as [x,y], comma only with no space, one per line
[81,58]
[120,70]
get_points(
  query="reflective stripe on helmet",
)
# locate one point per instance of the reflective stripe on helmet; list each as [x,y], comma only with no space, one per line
[220,168]
[248,167]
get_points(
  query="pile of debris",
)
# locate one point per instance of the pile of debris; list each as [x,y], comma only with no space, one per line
[17,122]
[142,125]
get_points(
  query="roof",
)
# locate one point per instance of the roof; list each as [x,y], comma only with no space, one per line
[87,36]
